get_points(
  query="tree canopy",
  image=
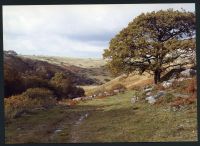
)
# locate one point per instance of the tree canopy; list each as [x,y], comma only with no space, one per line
[153,42]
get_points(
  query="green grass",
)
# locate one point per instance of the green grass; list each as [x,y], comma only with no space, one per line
[38,128]
[128,81]
[110,119]
[119,121]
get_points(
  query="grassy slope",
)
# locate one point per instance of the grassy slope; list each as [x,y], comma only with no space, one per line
[91,67]
[117,120]
[129,82]
[111,119]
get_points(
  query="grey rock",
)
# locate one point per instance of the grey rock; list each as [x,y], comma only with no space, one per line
[159,94]
[116,91]
[151,99]
[167,84]
[58,130]
[148,93]
[188,73]
[148,89]
[134,99]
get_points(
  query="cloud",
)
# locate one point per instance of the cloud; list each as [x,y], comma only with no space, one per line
[70,30]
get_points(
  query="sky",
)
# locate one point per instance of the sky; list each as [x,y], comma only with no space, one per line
[80,31]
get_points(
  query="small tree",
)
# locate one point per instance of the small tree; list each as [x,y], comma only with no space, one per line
[61,83]
[153,42]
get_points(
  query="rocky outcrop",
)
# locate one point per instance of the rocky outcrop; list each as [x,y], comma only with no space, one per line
[152,99]
[10,52]
[188,73]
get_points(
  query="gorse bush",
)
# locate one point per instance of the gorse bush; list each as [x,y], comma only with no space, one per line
[60,85]
[27,101]
[34,82]
[63,87]
[16,83]
[38,93]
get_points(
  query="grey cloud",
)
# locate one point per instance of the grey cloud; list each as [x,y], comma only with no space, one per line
[69,30]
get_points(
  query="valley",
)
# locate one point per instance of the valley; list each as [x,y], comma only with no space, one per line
[109,118]
[99,74]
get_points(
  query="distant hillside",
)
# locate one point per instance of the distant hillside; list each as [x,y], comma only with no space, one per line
[26,66]
[79,62]
[87,67]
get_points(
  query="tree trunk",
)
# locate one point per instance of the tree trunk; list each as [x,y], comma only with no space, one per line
[157,76]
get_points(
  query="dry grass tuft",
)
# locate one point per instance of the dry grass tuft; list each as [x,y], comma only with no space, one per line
[192,86]
[159,87]
[72,102]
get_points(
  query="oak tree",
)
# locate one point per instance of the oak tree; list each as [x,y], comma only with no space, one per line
[153,42]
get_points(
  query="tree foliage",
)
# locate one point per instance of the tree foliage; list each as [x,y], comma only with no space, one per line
[153,42]
[64,88]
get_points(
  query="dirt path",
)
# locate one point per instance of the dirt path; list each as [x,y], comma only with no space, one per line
[75,128]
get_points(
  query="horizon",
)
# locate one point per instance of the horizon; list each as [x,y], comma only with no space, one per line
[77,31]
[47,55]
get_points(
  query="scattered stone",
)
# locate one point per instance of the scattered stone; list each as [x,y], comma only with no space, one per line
[167,84]
[134,99]
[181,95]
[148,90]
[148,93]
[77,99]
[181,79]
[172,80]
[159,94]
[151,99]
[188,73]
[58,130]
[116,91]
[19,128]
[108,94]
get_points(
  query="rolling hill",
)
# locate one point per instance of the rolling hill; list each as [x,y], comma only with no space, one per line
[29,66]
[88,67]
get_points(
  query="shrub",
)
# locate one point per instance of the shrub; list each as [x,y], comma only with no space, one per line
[27,101]
[168,97]
[137,88]
[77,91]
[106,80]
[60,84]
[12,82]
[118,87]
[39,93]
[34,82]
